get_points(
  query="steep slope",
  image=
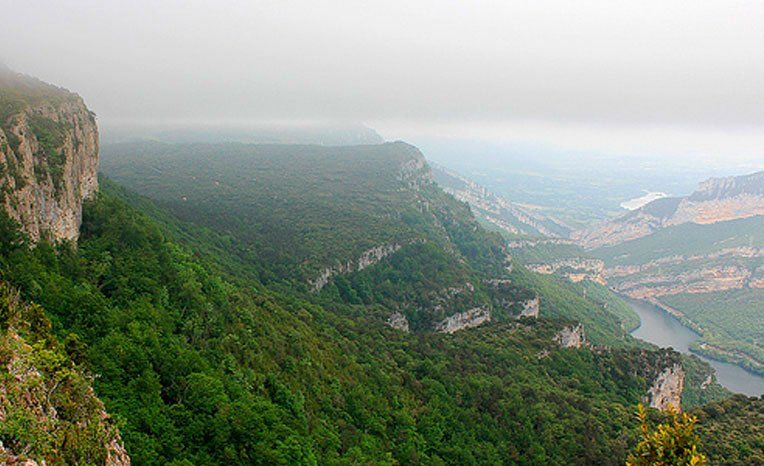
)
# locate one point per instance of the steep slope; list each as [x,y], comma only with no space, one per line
[209,368]
[497,212]
[716,200]
[48,156]
[48,411]
[364,225]
[312,216]
[710,276]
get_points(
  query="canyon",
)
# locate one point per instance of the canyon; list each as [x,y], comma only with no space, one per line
[715,200]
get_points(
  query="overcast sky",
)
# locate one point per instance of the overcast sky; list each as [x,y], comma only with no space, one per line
[663,76]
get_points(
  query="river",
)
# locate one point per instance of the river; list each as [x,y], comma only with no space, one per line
[660,328]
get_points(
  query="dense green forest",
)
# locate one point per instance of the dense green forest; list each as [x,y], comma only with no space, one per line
[196,322]
[686,239]
[733,335]
[199,367]
[296,211]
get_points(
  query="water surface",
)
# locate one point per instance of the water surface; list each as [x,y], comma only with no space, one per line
[662,329]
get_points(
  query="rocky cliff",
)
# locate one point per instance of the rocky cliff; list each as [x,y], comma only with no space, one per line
[507,216]
[715,200]
[398,321]
[667,388]
[572,336]
[463,320]
[367,258]
[48,156]
[49,413]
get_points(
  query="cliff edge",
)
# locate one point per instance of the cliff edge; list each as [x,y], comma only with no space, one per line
[48,156]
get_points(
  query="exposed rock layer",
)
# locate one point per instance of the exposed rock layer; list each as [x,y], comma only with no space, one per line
[398,321]
[463,320]
[49,157]
[715,200]
[367,258]
[572,336]
[667,388]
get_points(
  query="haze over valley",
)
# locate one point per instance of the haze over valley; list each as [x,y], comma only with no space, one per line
[394,233]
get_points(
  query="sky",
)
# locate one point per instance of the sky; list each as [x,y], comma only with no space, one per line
[666,77]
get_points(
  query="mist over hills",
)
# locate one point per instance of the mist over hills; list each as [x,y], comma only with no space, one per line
[321,133]
[235,303]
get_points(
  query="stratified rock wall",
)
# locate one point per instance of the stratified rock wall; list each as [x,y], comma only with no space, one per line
[463,320]
[48,157]
[667,388]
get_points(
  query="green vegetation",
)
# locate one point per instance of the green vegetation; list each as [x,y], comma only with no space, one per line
[291,211]
[671,443]
[548,252]
[732,324]
[51,136]
[47,408]
[731,431]
[205,342]
[605,317]
[698,387]
[294,209]
[686,239]
[200,367]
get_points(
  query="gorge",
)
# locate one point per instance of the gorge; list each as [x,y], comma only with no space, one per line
[664,330]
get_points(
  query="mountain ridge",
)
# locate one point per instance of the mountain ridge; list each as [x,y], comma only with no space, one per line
[716,200]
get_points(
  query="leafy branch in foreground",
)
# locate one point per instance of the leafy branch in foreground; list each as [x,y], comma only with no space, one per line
[673,443]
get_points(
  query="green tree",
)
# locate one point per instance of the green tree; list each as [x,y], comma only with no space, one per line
[672,443]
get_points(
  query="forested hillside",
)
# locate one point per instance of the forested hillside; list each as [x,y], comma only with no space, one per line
[710,276]
[317,217]
[199,366]
[207,339]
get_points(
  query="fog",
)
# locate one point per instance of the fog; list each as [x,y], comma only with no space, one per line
[668,77]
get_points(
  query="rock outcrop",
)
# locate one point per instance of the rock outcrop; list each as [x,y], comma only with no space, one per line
[398,321]
[530,308]
[572,336]
[48,155]
[715,200]
[367,258]
[42,390]
[575,269]
[463,320]
[667,388]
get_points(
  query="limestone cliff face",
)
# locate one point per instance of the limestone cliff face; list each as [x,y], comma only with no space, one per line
[572,336]
[723,270]
[530,308]
[575,269]
[48,155]
[398,321]
[463,320]
[667,388]
[367,258]
[715,200]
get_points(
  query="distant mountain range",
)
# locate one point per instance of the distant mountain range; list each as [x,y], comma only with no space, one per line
[715,200]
